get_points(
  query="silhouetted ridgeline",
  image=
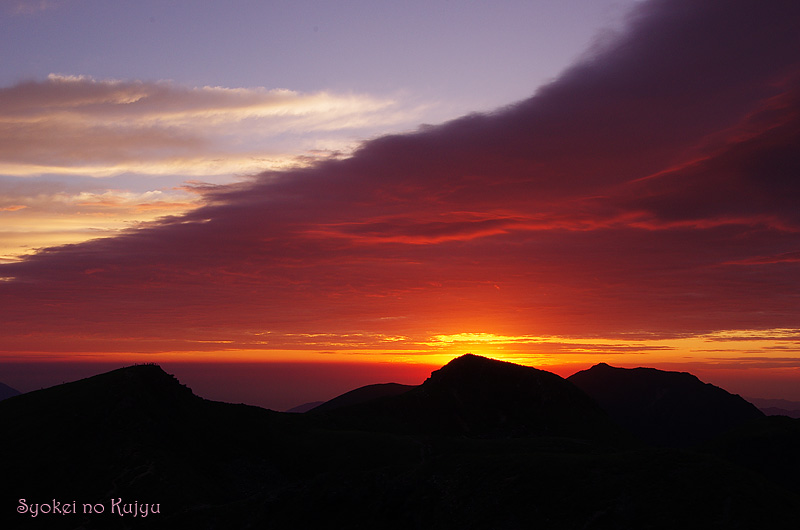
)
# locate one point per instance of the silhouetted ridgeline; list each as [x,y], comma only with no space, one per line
[481,444]
[305,407]
[363,395]
[777,407]
[473,395]
[664,408]
[7,392]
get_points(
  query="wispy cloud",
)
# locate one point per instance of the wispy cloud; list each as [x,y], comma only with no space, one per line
[34,215]
[66,128]
[31,7]
[79,125]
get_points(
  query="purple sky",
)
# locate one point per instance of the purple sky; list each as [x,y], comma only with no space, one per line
[468,56]
[110,108]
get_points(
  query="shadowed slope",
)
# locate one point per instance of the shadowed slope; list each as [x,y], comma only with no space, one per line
[664,408]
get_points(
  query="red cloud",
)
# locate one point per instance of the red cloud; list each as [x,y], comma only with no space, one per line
[615,200]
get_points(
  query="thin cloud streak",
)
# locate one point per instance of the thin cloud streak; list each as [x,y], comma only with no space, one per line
[36,215]
[67,128]
[30,7]
[76,124]
[621,200]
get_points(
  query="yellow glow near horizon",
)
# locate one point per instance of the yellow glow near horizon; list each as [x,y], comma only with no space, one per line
[717,347]
[480,338]
[738,349]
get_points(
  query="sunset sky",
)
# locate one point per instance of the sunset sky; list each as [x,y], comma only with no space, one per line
[294,198]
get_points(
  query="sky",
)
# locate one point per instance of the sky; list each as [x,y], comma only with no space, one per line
[376,189]
[115,112]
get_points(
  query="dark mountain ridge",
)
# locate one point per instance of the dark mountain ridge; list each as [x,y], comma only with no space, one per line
[134,430]
[473,395]
[483,444]
[777,411]
[362,395]
[665,408]
[777,407]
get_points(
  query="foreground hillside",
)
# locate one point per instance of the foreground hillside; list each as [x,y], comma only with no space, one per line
[481,444]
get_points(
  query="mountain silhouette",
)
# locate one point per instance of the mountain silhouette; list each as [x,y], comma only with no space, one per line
[473,395]
[664,408]
[305,407]
[134,433]
[362,395]
[777,411]
[7,392]
[777,407]
[481,444]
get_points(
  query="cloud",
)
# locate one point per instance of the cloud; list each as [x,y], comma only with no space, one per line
[621,200]
[66,128]
[35,214]
[80,125]
[31,7]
